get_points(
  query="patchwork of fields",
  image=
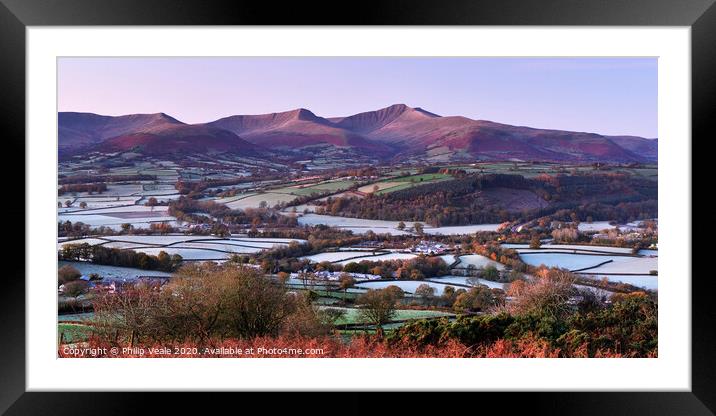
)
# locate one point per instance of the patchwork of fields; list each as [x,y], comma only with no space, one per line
[616,264]
[190,247]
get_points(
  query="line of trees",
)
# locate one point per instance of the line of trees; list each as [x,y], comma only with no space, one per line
[82,187]
[118,257]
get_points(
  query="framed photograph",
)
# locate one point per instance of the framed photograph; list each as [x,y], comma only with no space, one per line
[448,197]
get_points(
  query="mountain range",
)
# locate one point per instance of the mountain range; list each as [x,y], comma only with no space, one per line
[397,132]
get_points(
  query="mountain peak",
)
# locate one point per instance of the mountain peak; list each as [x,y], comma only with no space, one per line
[373,120]
[301,114]
[397,107]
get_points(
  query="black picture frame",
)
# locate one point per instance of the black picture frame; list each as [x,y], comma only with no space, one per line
[16,15]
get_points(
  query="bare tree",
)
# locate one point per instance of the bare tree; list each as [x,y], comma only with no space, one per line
[378,306]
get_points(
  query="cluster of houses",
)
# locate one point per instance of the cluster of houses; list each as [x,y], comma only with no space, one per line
[430,248]
[113,286]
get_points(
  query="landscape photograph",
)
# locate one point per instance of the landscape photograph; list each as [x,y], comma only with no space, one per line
[357,207]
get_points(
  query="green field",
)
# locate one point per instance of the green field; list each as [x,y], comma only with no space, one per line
[318,188]
[352,315]
[415,180]
[71,333]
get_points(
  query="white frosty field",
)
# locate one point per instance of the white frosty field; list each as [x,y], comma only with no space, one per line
[111,272]
[226,248]
[125,245]
[93,203]
[407,285]
[462,280]
[617,265]
[565,261]
[461,229]
[157,239]
[411,285]
[254,201]
[188,254]
[362,226]
[189,244]
[569,248]
[595,226]
[90,241]
[124,209]
[336,256]
[139,216]
[96,220]
[638,265]
[382,257]
[647,282]
[344,222]
[477,261]
[448,259]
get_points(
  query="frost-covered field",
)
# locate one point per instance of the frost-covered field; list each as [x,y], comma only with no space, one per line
[190,247]
[362,226]
[226,248]
[176,238]
[564,261]
[381,257]
[636,265]
[407,285]
[448,258]
[95,202]
[188,254]
[96,220]
[157,239]
[604,225]
[158,210]
[462,280]
[595,226]
[570,248]
[111,272]
[139,216]
[617,265]
[411,285]
[336,256]
[647,282]
[254,201]
[125,245]
[90,241]
[477,261]
[461,229]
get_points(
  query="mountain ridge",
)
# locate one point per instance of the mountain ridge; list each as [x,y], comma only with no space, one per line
[397,131]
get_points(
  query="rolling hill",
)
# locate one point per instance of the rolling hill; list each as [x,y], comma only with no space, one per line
[150,134]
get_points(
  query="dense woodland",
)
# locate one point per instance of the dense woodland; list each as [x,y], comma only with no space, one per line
[78,179]
[461,201]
